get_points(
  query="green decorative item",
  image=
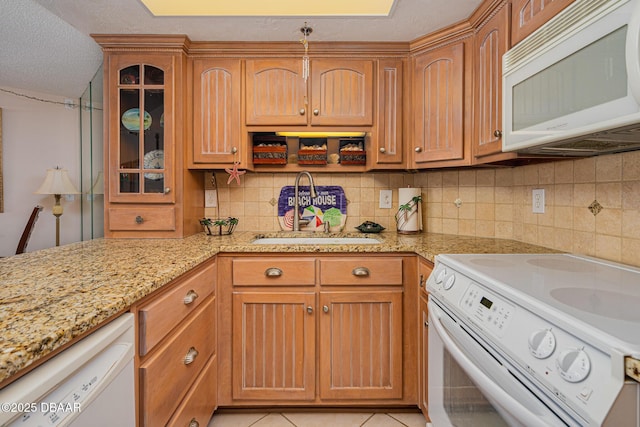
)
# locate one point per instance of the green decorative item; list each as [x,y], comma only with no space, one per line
[333,216]
[219,227]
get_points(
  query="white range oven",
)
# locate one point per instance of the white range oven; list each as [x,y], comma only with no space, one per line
[532,340]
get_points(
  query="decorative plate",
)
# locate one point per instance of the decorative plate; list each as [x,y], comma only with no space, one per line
[369,227]
[131,120]
[154,160]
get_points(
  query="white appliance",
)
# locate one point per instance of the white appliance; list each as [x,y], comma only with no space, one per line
[573,87]
[90,384]
[532,340]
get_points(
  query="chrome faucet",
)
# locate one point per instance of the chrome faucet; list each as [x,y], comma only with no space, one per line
[296,201]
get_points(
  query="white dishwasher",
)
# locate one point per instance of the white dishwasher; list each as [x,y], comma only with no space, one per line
[90,384]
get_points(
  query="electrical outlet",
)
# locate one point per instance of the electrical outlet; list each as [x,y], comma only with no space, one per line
[210,198]
[385,199]
[538,200]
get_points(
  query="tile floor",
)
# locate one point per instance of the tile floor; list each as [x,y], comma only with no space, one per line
[318,419]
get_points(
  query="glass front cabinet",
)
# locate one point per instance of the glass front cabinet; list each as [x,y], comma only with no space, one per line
[149,192]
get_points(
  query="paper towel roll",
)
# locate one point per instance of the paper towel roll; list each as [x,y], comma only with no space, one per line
[409,221]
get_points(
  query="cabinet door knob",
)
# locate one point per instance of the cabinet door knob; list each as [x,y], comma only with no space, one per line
[302,111]
[383,150]
[497,133]
[418,150]
[190,297]
[426,324]
[361,272]
[310,310]
[194,423]
[139,220]
[325,308]
[167,190]
[316,112]
[234,150]
[273,272]
[421,280]
[191,355]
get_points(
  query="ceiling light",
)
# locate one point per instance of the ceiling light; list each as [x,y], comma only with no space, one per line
[269,8]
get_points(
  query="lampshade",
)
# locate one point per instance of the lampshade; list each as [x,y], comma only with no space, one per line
[57,182]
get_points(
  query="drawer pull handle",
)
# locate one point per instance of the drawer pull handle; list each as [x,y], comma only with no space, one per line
[139,220]
[194,423]
[190,297]
[191,355]
[325,308]
[421,280]
[361,272]
[426,324]
[310,310]
[273,272]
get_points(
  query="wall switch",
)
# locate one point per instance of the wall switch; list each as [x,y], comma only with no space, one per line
[385,199]
[210,198]
[538,200]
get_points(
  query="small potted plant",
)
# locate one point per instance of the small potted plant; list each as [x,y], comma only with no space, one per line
[405,212]
[220,227]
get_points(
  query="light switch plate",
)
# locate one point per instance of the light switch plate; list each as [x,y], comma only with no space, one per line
[385,199]
[538,200]
[210,198]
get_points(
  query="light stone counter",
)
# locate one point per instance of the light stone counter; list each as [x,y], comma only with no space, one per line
[53,296]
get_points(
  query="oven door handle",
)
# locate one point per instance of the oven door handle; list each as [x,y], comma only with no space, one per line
[483,381]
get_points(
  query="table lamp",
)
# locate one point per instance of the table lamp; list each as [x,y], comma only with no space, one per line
[57,182]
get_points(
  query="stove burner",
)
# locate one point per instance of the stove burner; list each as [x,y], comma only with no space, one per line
[562,265]
[600,302]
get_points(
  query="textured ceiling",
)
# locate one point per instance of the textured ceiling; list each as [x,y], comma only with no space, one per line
[45,44]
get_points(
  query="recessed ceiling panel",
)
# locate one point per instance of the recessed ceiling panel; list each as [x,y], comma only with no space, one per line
[269,7]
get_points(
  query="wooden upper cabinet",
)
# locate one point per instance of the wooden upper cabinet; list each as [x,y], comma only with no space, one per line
[341,92]
[387,145]
[492,41]
[529,15]
[216,111]
[438,104]
[276,93]
[337,92]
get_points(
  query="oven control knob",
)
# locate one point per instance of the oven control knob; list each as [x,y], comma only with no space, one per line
[542,343]
[574,365]
[449,281]
[440,273]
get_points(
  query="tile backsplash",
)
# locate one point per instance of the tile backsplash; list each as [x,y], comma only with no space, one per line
[487,202]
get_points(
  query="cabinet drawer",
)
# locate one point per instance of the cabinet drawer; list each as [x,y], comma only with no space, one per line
[166,375]
[361,271]
[161,315]
[161,218]
[200,402]
[274,271]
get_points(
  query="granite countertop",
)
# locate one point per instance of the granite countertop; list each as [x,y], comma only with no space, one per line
[51,297]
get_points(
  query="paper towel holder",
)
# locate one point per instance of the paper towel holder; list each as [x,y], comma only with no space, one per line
[406,211]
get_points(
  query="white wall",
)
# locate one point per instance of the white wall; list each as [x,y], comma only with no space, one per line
[37,136]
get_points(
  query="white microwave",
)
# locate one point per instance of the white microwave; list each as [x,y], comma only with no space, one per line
[572,88]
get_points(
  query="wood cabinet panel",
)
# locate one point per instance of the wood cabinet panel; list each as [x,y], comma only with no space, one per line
[160,316]
[276,92]
[341,92]
[216,111]
[276,271]
[141,218]
[361,339]
[165,376]
[274,346]
[529,15]
[388,148]
[492,41]
[438,79]
[361,271]
[423,364]
[199,404]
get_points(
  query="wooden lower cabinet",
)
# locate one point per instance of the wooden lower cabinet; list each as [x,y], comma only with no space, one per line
[345,339]
[424,270]
[176,353]
[361,345]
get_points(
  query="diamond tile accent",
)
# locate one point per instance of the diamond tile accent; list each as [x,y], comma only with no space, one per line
[273,201]
[595,207]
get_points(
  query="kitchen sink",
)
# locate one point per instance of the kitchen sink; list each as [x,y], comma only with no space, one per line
[304,240]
